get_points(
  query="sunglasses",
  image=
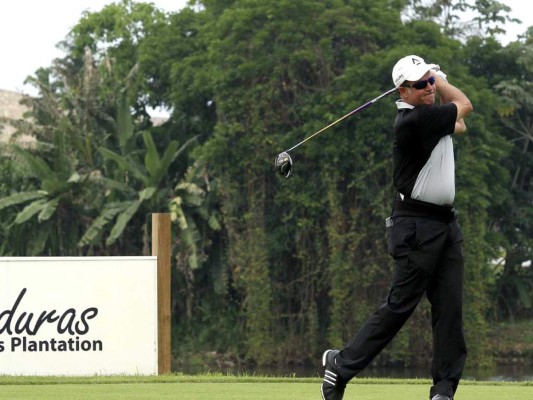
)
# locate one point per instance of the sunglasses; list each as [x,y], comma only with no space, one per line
[420,84]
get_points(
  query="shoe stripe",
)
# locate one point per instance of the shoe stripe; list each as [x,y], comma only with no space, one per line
[331,382]
[331,374]
[330,377]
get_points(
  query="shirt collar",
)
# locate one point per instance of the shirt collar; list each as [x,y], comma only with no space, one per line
[403,105]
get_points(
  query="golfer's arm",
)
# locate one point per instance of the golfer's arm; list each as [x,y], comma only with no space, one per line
[450,94]
[460,127]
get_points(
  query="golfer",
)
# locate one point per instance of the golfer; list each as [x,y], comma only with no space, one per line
[423,236]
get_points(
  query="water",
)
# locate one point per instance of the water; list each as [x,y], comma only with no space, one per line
[500,373]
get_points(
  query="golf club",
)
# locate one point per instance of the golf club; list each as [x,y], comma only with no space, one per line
[283,161]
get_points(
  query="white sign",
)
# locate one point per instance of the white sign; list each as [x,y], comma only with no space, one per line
[78,315]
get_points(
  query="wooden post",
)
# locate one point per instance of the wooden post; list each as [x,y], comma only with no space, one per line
[161,249]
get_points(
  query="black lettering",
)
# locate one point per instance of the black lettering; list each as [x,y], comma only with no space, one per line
[6,327]
[25,325]
[53,343]
[2,348]
[44,317]
[90,313]
[24,344]
[66,321]
[31,345]
[12,322]
[15,342]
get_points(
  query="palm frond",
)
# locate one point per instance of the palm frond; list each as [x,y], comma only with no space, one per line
[147,193]
[122,221]
[22,197]
[114,184]
[30,210]
[189,238]
[125,128]
[117,158]
[48,210]
[37,166]
[176,212]
[97,227]
[37,245]
[151,158]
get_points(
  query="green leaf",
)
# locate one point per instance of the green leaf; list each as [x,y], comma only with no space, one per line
[111,155]
[29,211]
[37,165]
[114,184]
[214,223]
[37,245]
[151,159]
[124,164]
[19,198]
[177,214]
[189,237]
[170,154]
[122,222]
[147,193]
[96,228]
[48,210]
[53,185]
[125,127]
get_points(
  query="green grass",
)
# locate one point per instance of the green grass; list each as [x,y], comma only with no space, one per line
[220,387]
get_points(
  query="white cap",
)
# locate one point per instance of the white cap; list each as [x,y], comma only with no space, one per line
[409,68]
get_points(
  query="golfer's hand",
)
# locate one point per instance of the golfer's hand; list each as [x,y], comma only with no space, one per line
[436,71]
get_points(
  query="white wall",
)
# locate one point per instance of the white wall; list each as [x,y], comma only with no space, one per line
[78,316]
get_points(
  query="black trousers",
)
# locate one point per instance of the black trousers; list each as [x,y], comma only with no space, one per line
[428,259]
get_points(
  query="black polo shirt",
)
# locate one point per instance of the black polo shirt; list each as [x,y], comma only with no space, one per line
[417,131]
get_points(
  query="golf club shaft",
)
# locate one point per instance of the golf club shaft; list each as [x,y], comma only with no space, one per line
[343,117]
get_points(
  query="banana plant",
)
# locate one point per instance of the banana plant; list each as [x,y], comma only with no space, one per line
[57,205]
[191,203]
[192,209]
[147,174]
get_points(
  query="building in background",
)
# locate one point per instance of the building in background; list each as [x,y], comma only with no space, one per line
[10,108]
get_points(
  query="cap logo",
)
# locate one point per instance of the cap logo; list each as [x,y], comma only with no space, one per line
[398,78]
[416,61]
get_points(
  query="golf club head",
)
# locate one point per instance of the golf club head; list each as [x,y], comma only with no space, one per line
[283,164]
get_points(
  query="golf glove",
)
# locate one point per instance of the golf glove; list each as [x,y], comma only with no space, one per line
[438,71]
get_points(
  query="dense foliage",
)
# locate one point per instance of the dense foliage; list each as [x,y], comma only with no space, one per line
[268,269]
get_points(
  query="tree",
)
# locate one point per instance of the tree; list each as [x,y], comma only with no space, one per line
[267,268]
[515,282]
[60,165]
[147,177]
[489,16]
[193,206]
[274,80]
[114,35]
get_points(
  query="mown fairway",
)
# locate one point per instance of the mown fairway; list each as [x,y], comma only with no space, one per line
[239,388]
